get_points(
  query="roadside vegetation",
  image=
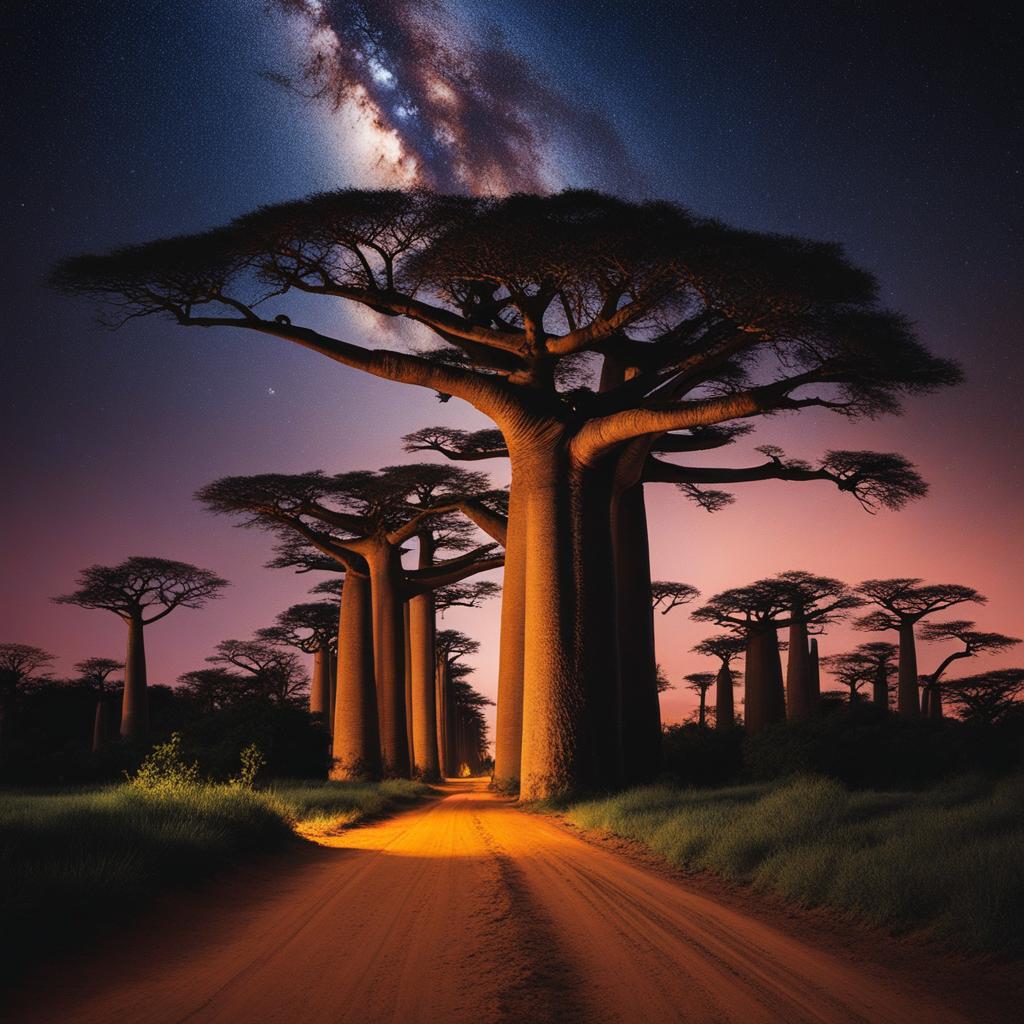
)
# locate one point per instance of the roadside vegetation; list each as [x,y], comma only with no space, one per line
[72,860]
[944,862]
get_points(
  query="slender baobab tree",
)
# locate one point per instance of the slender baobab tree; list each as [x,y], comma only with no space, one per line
[142,591]
[700,683]
[757,611]
[311,627]
[362,520]
[19,665]
[693,324]
[95,673]
[901,604]
[974,643]
[987,697]
[725,647]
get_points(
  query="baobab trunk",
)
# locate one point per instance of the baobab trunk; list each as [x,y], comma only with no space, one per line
[320,689]
[444,762]
[764,695]
[356,745]
[880,687]
[813,674]
[798,668]
[508,732]
[389,657]
[408,682]
[906,694]
[134,709]
[725,716]
[333,661]
[100,725]
[424,701]
[639,706]
[934,709]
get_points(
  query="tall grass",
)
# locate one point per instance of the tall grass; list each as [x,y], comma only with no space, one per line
[69,861]
[947,862]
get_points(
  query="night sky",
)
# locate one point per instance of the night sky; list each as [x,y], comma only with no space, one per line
[894,128]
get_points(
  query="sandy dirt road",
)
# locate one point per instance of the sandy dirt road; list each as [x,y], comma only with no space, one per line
[465,910]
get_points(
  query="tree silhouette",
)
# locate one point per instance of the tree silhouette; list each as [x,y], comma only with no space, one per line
[272,674]
[142,591]
[757,611]
[987,697]
[362,520]
[19,664]
[700,683]
[694,325]
[95,673]
[974,643]
[214,689]
[725,647]
[312,627]
[902,603]
[665,596]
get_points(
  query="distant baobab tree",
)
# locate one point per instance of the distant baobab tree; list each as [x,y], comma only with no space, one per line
[974,643]
[311,627]
[95,674]
[871,664]
[700,683]
[362,520]
[142,591]
[19,664]
[901,604]
[586,328]
[215,689]
[268,672]
[725,647]
[757,611]
[987,697]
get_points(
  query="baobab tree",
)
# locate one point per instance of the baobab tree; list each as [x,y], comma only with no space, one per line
[853,670]
[700,683]
[871,663]
[362,520]
[312,627]
[725,647]
[974,643]
[901,604]
[452,645]
[19,664]
[141,591]
[271,673]
[987,697]
[693,324]
[757,611]
[95,673]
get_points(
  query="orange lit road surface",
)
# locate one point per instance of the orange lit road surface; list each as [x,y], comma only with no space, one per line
[465,910]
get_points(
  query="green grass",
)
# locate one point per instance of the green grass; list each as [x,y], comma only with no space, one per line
[947,863]
[71,860]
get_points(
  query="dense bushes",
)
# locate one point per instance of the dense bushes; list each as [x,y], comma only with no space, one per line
[863,746]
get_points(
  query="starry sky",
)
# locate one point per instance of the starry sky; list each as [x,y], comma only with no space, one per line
[895,128]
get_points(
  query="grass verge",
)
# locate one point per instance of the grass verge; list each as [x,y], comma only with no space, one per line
[947,863]
[71,861]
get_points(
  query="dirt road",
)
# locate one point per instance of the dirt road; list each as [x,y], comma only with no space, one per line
[465,911]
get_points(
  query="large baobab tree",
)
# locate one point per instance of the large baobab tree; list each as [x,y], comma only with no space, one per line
[987,697]
[974,643]
[362,520]
[312,627]
[141,591]
[757,612]
[725,647]
[692,323]
[901,604]
[95,673]
[19,664]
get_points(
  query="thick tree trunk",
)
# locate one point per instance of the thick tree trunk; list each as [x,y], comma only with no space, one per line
[389,657]
[408,680]
[320,689]
[639,705]
[508,733]
[333,661]
[440,701]
[935,701]
[798,669]
[813,674]
[424,701]
[356,745]
[134,707]
[725,716]
[906,696]
[764,696]
[880,688]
